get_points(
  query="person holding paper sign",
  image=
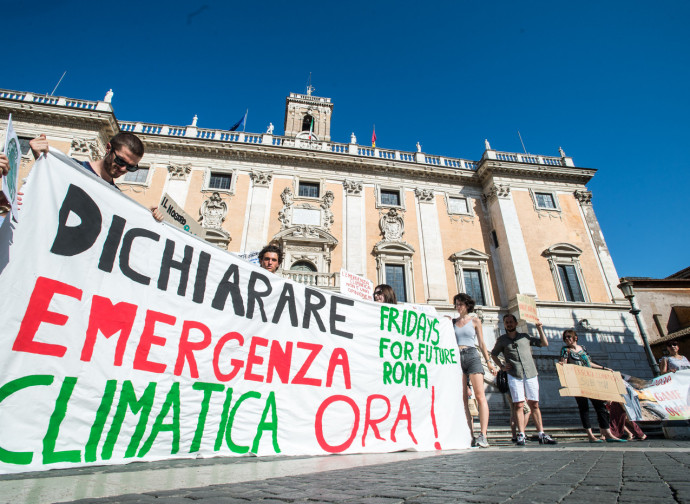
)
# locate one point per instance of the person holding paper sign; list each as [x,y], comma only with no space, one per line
[572,353]
[522,373]
[122,155]
[469,335]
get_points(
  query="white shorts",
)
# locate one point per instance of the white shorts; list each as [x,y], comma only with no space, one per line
[519,388]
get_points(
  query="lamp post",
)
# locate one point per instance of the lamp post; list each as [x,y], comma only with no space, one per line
[627,288]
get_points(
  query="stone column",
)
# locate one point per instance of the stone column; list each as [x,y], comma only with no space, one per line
[602,251]
[355,244]
[517,272]
[433,262]
[258,211]
[178,182]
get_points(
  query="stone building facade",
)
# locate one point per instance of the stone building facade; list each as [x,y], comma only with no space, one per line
[431,226]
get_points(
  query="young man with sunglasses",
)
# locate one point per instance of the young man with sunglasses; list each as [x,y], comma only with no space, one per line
[522,373]
[122,155]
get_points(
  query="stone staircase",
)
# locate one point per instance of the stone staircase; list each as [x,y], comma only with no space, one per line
[562,426]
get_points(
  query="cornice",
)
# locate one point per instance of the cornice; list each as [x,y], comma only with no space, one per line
[288,156]
[488,168]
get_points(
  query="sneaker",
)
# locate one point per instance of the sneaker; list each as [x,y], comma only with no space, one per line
[546,439]
[520,439]
[481,441]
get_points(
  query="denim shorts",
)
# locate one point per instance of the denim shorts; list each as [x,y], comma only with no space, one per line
[470,361]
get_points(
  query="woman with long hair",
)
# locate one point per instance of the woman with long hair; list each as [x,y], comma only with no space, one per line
[469,335]
[385,294]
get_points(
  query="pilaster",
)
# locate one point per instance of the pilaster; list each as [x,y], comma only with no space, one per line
[432,248]
[517,272]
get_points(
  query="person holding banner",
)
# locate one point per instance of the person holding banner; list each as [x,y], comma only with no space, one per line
[122,155]
[469,335]
[572,353]
[385,294]
[270,258]
[522,373]
[674,361]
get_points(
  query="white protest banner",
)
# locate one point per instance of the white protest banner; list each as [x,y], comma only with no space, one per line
[671,393]
[175,215]
[355,286]
[251,257]
[125,339]
[10,182]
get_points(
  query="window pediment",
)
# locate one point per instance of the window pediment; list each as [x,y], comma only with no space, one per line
[562,250]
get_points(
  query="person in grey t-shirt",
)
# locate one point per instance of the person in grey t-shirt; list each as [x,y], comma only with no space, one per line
[522,373]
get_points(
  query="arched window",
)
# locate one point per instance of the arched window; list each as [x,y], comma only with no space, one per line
[303,266]
[307,123]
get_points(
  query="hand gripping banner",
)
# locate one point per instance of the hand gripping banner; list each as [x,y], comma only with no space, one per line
[125,339]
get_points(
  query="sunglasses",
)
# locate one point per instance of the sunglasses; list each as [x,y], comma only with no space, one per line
[378,293]
[123,164]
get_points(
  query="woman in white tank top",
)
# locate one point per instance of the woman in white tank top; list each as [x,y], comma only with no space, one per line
[468,333]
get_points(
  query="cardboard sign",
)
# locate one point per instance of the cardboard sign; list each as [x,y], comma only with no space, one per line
[125,339]
[527,308]
[356,286]
[582,381]
[175,215]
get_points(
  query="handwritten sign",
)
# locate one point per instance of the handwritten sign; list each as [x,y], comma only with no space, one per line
[582,381]
[527,308]
[175,215]
[356,286]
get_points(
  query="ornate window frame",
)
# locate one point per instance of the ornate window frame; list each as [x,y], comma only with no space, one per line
[208,171]
[554,195]
[395,253]
[566,254]
[468,201]
[385,187]
[312,180]
[473,259]
[145,183]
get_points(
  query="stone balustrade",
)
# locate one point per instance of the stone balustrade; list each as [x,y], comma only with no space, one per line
[268,139]
[55,100]
[329,281]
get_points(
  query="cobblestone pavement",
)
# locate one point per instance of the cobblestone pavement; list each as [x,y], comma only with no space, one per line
[652,472]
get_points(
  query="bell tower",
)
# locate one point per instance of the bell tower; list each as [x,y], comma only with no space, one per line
[308,115]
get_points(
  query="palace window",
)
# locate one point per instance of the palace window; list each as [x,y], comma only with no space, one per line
[24,145]
[457,205]
[570,282]
[220,181]
[138,177]
[545,200]
[472,275]
[390,197]
[303,266]
[394,267]
[473,285]
[308,189]
[395,277]
[307,123]
[564,262]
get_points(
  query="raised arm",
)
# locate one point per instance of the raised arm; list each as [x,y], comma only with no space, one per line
[542,337]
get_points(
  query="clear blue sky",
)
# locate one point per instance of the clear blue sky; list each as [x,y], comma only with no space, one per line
[608,81]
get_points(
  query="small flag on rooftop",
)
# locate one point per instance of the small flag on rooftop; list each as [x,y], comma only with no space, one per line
[373,137]
[239,123]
